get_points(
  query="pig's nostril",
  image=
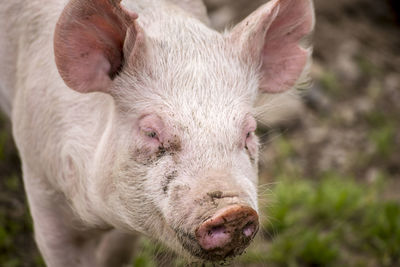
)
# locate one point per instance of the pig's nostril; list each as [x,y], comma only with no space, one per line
[228,232]
[216,236]
[217,230]
[249,229]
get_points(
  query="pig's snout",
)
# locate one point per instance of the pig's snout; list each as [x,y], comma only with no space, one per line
[228,232]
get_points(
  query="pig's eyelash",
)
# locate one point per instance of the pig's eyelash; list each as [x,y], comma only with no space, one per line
[245,142]
[248,135]
[151,134]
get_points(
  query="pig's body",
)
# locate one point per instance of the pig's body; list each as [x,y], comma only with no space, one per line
[60,134]
[56,142]
[86,182]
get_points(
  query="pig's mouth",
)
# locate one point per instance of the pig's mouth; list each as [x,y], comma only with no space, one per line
[222,237]
[189,243]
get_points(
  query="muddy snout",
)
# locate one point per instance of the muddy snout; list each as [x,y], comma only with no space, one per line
[228,232]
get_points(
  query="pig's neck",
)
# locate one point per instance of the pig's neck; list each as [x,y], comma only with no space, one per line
[88,151]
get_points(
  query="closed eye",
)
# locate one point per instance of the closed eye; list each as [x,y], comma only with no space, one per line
[151,134]
[249,136]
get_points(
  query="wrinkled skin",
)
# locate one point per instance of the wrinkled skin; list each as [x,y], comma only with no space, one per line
[139,122]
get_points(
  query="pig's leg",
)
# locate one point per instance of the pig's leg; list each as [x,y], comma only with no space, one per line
[116,248]
[55,226]
[58,242]
[58,237]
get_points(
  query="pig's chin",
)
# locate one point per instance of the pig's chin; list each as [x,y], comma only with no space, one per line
[189,243]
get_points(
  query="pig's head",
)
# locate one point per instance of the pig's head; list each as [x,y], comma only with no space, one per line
[181,153]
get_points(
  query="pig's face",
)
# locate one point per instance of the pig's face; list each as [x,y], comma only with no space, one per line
[184,154]
[188,139]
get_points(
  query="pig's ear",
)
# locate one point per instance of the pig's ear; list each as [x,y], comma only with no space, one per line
[272,35]
[89,43]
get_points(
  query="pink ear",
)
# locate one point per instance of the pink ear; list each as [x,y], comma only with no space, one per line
[88,43]
[272,34]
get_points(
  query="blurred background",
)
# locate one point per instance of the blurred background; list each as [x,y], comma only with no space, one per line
[330,160]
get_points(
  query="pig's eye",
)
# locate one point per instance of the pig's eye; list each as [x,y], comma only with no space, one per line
[151,129]
[249,136]
[151,134]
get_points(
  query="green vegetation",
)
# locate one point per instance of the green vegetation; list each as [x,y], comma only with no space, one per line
[382,134]
[146,256]
[331,84]
[333,221]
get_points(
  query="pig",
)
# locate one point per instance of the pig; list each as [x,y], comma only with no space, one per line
[137,117]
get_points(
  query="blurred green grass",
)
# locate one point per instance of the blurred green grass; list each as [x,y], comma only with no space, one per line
[330,223]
